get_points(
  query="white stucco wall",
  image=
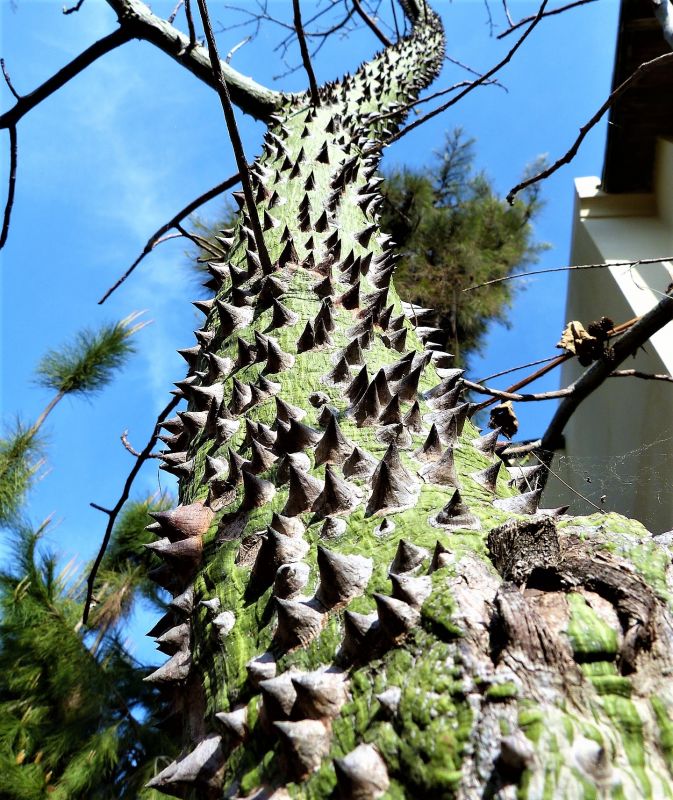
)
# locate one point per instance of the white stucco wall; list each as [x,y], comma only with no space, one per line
[619,443]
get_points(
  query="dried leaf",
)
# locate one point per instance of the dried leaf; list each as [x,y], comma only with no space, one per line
[587,345]
[503,417]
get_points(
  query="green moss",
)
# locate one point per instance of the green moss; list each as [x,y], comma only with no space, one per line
[500,692]
[531,721]
[590,637]
[665,722]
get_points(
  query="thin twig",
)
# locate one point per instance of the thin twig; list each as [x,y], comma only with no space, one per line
[235,137]
[236,47]
[638,262]
[8,80]
[413,103]
[508,15]
[486,76]
[516,369]
[636,336]
[554,11]
[514,397]
[190,25]
[158,236]
[74,8]
[369,22]
[11,184]
[646,376]
[60,78]
[397,29]
[199,241]
[567,485]
[641,70]
[171,17]
[131,449]
[114,513]
[305,57]
[530,378]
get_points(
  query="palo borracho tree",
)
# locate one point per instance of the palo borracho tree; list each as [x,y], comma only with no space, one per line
[365,602]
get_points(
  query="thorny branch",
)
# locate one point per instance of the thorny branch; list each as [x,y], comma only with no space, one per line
[641,70]
[114,512]
[485,77]
[157,237]
[515,25]
[603,265]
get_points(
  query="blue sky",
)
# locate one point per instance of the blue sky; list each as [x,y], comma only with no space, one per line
[121,148]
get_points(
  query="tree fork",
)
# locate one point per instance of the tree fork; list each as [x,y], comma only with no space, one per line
[374,607]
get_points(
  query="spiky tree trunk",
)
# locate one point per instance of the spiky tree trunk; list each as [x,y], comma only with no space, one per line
[365,602]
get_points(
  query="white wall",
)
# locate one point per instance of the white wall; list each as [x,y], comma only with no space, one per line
[619,443]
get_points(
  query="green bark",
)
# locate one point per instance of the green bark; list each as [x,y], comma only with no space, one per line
[395,620]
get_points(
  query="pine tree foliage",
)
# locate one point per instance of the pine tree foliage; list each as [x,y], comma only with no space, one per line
[122,576]
[19,462]
[83,367]
[454,231]
[88,363]
[73,705]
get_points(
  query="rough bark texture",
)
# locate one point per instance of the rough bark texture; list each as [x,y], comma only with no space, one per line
[366,605]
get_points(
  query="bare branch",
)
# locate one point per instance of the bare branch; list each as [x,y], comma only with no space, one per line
[641,70]
[27,102]
[529,378]
[136,18]
[507,14]
[593,377]
[74,8]
[515,25]
[171,17]
[514,397]
[114,513]
[485,77]
[158,236]
[11,184]
[440,93]
[305,57]
[190,24]
[236,47]
[516,369]
[638,262]
[397,28]
[369,22]
[646,376]
[8,80]
[235,137]
[131,449]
